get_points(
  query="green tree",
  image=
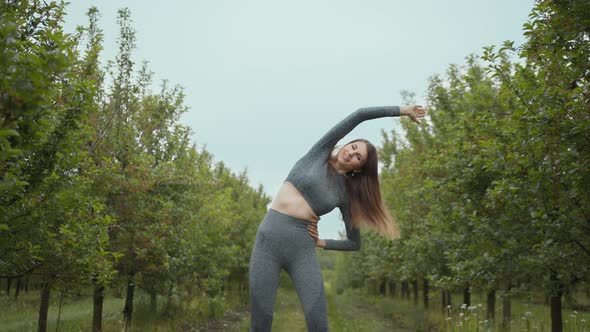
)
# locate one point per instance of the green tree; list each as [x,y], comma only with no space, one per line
[491,192]
[54,225]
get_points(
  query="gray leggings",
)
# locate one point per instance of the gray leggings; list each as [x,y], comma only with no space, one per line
[282,241]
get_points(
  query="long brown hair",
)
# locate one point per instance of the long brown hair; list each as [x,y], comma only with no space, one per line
[366,206]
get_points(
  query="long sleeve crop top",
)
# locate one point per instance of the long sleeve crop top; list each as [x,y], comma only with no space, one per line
[323,188]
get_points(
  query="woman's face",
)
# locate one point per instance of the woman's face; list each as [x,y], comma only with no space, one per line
[353,156]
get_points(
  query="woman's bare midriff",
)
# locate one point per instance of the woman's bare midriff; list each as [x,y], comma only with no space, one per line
[291,202]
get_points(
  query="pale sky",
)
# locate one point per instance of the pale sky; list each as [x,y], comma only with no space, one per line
[265,79]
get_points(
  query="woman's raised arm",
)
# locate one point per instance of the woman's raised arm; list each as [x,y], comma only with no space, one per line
[329,140]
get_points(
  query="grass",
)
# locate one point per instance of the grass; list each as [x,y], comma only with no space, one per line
[526,316]
[352,310]
[76,314]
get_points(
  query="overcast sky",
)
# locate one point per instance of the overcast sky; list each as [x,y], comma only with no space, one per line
[264,79]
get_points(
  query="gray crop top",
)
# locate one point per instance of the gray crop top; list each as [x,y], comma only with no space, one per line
[322,187]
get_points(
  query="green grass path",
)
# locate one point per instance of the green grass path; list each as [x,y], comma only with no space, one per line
[347,312]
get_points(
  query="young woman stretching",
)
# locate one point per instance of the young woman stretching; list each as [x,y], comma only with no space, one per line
[321,180]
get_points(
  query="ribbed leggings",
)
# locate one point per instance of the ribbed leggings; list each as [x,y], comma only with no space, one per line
[282,242]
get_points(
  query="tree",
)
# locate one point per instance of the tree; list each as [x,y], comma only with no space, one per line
[54,226]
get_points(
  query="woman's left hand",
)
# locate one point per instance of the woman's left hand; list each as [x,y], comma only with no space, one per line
[414,112]
[312,229]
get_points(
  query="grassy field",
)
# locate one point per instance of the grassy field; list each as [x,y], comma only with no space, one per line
[76,314]
[347,312]
[526,316]
[352,310]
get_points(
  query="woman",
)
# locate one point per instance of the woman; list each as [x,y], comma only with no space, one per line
[321,180]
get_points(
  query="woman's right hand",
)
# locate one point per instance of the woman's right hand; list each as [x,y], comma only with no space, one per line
[414,112]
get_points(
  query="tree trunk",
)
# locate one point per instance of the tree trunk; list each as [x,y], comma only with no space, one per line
[392,286]
[506,308]
[449,304]
[97,308]
[18,287]
[8,283]
[153,302]
[446,302]
[27,284]
[128,310]
[416,292]
[425,293]
[44,308]
[467,296]
[556,317]
[169,301]
[491,307]
[405,290]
